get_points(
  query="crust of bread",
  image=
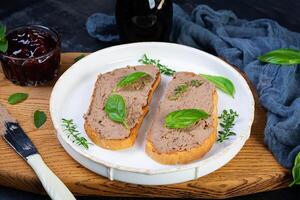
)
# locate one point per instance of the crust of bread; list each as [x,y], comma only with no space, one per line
[183,157]
[118,144]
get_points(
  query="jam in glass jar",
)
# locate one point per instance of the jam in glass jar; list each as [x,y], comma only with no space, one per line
[33,55]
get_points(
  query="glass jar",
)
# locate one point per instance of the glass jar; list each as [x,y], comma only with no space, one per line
[33,55]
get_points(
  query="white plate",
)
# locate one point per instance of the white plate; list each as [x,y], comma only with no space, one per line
[71,95]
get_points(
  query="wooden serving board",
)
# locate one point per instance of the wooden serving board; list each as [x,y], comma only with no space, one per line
[253,170]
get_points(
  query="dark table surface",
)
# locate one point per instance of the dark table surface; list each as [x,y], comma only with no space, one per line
[68,17]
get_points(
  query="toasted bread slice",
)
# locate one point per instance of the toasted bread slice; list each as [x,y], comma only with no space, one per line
[112,135]
[181,146]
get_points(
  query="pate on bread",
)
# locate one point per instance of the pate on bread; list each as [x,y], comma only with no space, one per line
[107,133]
[179,146]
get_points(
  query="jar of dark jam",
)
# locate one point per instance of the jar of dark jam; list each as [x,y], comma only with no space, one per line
[144,20]
[33,55]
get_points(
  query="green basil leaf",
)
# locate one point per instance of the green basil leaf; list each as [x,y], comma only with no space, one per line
[282,56]
[3,41]
[17,98]
[131,78]
[115,108]
[222,83]
[39,118]
[79,58]
[296,171]
[184,118]
[2,30]
[3,46]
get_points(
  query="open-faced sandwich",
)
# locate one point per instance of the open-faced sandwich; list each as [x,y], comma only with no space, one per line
[185,125]
[119,104]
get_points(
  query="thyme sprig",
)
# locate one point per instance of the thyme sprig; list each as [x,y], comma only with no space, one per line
[195,83]
[71,129]
[227,122]
[182,88]
[162,68]
[178,91]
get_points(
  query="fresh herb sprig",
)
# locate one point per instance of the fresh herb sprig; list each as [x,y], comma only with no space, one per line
[182,88]
[296,171]
[195,83]
[162,68]
[79,58]
[227,122]
[130,79]
[3,40]
[222,83]
[115,108]
[71,129]
[179,91]
[281,57]
[184,118]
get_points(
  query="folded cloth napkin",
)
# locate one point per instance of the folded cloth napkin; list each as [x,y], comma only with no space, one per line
[240,42]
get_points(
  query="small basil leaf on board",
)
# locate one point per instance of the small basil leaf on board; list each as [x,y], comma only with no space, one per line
[222,83]
[79,58]
[39,118]
[3,41]
[115,108]
[17,98]
[184,118]
[281,56]
[131,78]
[296,171]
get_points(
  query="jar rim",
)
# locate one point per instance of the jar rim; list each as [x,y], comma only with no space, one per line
[39,27]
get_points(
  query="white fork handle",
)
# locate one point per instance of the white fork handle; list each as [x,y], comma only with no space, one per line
[55,188]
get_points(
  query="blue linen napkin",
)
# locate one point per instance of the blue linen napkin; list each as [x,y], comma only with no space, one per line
[240,42]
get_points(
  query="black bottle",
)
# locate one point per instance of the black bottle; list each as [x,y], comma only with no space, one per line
[144,20]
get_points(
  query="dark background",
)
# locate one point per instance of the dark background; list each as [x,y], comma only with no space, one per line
[68,17]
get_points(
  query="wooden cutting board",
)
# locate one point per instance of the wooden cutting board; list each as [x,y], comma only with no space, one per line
[253,170]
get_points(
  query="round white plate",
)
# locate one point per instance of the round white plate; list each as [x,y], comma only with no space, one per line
[71,96]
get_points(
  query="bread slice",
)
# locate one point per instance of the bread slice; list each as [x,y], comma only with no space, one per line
[107,133]
[181,146]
